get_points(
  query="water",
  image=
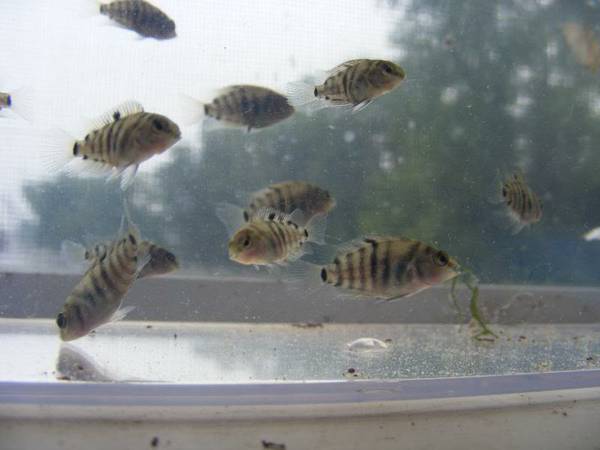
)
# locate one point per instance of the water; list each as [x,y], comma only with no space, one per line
[490,88]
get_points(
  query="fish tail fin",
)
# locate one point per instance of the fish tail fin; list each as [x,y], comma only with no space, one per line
[189,110]
[72,252]
[87,9]
[301,93]
[22,103]
[120,313]
[231,216]
[59,151]
[303,272]
[316,227]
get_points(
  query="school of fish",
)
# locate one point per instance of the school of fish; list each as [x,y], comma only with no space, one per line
[279,223]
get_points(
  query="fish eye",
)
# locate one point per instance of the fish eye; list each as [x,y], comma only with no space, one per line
[158,125]
[386,68]
[171,257]
[61,320]
[246,242]
[504,192]
[441,258]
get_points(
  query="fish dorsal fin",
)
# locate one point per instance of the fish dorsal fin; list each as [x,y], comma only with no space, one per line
[269,214]
[343,66]
[118,112]
[298,217]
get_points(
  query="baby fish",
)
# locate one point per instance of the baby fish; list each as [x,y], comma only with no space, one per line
[524,206]
[239,106]
[583,44]
[120,140]
[354,83]
[249,106]
[97,298]
[288,196]
[160,260]
[140,16]
[270,237]
[389,267]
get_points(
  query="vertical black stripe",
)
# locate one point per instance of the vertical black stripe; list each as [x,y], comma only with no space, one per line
[385,277]
[338,270]
[78,313]
[87,297]
[374,262]
[131,125]
[106,278]
[350,269]
[98,291]
[275,239]
[361,268]
[109,137]
[352,81]
[280,203]
[116,126]
[410,260]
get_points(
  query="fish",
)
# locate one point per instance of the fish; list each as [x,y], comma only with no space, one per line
[118,143]
[354,83]
[140,16]
[583,44]
[160,260]
[247,106]
[523,205]
[270,237]
[388,267]
[97,298]
[288,196]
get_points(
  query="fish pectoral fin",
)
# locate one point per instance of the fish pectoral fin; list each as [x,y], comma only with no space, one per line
[361,105]
[120,313]
[128,175]
[142,262]
[401,296]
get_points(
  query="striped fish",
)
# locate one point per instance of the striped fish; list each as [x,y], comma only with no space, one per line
[524,206]
[120,141]
[270,237]
[160,260]
[354,83]
[98,296]
[388,267]
[249,106]
[289,196]
[140,16]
